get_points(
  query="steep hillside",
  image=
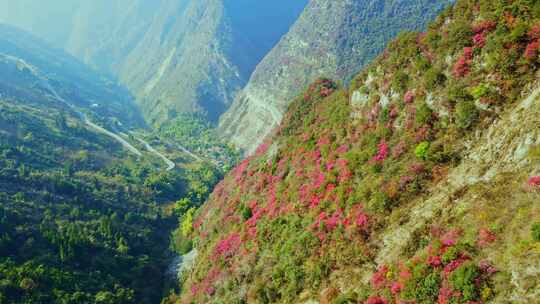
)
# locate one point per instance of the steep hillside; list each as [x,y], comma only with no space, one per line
[330,39]
[175,56]
[196,55]
[105,32]
[419,184]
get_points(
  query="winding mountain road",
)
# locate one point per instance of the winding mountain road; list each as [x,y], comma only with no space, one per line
[170,163]
[89,123]
[46,84]
[119,139]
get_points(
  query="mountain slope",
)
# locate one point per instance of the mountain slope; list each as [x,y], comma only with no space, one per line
[331,39]
[105,32]
[175,56]
[196,55]
[419,184]
[51,70]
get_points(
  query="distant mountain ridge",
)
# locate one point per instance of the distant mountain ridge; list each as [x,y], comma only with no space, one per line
[330,39]
[175,56]
[31,65]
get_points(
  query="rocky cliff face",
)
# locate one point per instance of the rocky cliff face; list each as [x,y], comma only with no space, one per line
[174,55]
[331,39]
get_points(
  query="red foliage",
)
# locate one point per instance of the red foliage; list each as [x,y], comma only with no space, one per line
[450,267]
[450,238]
[486,237]
[531,52]
[252,232]
[486,267]
[378,280]
[396,288]
[383,152]
[484,26]
[405,274]
[404,181]
[434,261]
[261,150]
[362,220]
[468,53]
[333,221]
[256,215]
[463,65]
[534,32]
[342,149]
[409,97]
[241,169]
[479,40]
[534,181]
[376,300]
[227,246]
[207,283]
[445,295]
[323,141]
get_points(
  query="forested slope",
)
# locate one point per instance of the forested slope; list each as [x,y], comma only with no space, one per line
[81,219]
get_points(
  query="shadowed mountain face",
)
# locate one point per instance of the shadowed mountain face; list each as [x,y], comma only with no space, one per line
[174,55]
[332,39]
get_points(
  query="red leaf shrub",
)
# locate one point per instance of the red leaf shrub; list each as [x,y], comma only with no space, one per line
[376,300]
[409,97]
[531,52]
[333,221]
[396,288]
[468,53]
[534,32]
[362,220]
[378,280]
[434,261]
[241,169]
[486,237]
[445,295]
[479,40]
[450,267]
[486,267]
[227,246]
[463,66]
[484,26]
[450,238]
[383,151]
[261,150]
[534,181]
[404,181]
[342,149]
[257,214]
